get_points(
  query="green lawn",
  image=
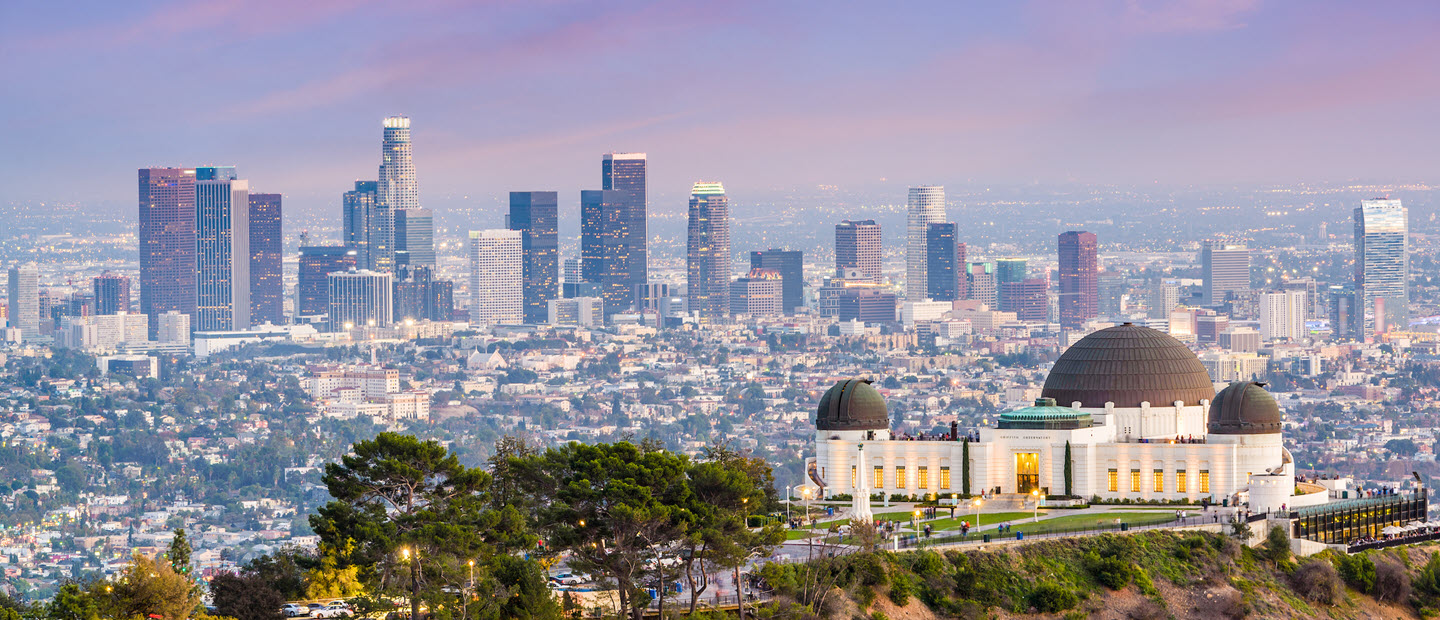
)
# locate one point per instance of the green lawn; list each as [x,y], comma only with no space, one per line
[985,519]
[797,535]
[902,515]
[1096,520]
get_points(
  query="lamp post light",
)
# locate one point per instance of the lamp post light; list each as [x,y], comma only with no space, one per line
[414,582]
[787,503]
[465,601]
[1035,493]
[978,504]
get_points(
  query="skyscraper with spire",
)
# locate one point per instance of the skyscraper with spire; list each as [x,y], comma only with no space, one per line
[707,251]
[398,192]
[926,207]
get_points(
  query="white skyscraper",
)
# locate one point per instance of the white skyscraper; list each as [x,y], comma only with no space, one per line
[397,188]
[1282,315]
[360,298]
[497,277]
[927,206]
[24,299]
[222,250]
[1382,264]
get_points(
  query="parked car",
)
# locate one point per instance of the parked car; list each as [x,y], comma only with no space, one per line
[314,607]
[292,610]
[334,610]
[570,579]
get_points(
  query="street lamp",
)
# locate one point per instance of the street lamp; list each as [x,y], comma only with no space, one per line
[787,503]
[978,503]
[414,582]
[1035,493]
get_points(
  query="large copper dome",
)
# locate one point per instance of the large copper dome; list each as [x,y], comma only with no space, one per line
[1127,365]
[852,405]
[1244,409]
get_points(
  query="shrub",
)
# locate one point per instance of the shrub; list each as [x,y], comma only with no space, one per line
[1277,545]
[1051,598]
[927,563]
[871,569]
[1317,581]
[1427,583]
[879,615]
[1358,571]
[900,589]
[1392,581]
[1112,572]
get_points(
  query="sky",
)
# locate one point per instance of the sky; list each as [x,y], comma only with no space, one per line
[763,96]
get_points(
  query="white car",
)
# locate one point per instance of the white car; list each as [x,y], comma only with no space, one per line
[570,579]
[292,610]
[333,610]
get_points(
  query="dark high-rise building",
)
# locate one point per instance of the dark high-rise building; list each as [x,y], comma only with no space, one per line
[1029,299]
[267,280]
[1347,322]
[1079,267]
[222,250]
[536,216]
[414,237]
[857,246]
[945,263]
[791,265]
[420,297]
[1008,270]
[606,252]
[317,262]
[1224,269]
[625,172]
[707,251]
[368,227]
[112,293]
[866,304]
[167,242]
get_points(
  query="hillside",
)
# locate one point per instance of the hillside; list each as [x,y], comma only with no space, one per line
[1142,576]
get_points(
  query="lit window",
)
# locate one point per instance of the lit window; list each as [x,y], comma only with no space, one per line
[1159,481]
[1182,484]
[1134,481]
[944,477]
[923,473]
[900,476]
[879,480]
[853,481]
[1204,481]
[1114,478]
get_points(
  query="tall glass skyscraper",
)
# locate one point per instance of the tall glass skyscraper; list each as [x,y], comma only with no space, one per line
[536,216]
[1382,264]
[414,237]
[1079,266]
[112,293]
[945,263]
[222,250]
[791,265]
[167,243]
[267,282]
[606,252]
[707,250]
[23,291]
[926,207]
[625,172]
[317,262]
[412,228]
[1008,271]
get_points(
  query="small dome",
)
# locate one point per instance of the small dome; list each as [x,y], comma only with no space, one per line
[852,405]
[1045,415]
[1244,409]
[1128,365]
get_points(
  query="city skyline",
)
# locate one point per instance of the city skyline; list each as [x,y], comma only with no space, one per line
[1263,109]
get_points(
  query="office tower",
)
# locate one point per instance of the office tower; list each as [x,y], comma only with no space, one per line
[945,263]
[867,304]
[857,246]
[1382,265]
[222,250]
[581,311]
[267,280]
[369,227]
[412,293]
[607,249]
[396,186]
[1347,322]
[1029,299]
[1079,265]
[1008,270]
[1312,293]
[1164,297]
[791,265]
[1209,325]
[497,292]
[441,306]
[650,297]
[1111,289]
[980,284]
[414,237]
[167,242]
[1239,340]
[625,172]
[926,207]
[759,293]
[1224,269]
[172,328]
[360,298]
[112,293]
[536,216]
[1282,315]
[24,299]
[707,250]
[317,262]
[575,284]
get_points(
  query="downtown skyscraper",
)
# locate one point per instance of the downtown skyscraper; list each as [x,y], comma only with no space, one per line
[536,216]
[1079,267]
[317,262]
[1224,269]
[397,191]
[707,250]
[497,276]
[945,260]
[926,206]
[1382,265]
[23,292]
[791,265]
[112,293]
[267,282]
[626,173]
[167,242]
[857,247]
[222,250]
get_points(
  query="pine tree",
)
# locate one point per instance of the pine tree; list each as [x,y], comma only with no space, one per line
[1069,474]
[965,467]
[180,553]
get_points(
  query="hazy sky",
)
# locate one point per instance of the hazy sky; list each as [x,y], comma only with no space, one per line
[760,95]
